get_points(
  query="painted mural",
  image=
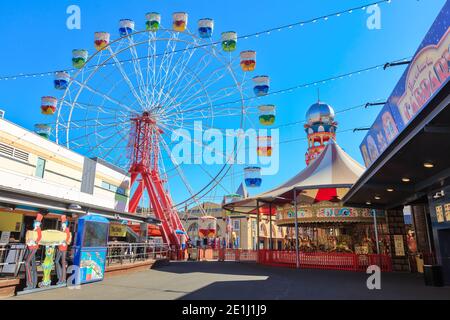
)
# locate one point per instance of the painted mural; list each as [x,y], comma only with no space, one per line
[428,72]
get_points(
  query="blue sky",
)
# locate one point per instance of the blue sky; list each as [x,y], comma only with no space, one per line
[35,38]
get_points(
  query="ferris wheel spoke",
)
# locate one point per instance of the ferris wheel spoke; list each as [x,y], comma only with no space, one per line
[159,73]
[115,147]
[165,66]
[218,95]
[106,127]
[100,144]
[151,61]
[182,175]
[212,79]
[188,120]
[127,80]
[138,70]
[183,61]
[184,90]
[83,105]
[198,102]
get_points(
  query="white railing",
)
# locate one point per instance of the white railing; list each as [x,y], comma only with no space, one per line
[11,259]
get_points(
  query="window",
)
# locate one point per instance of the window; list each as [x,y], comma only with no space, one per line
[40,168]
[236,225]
[95,234]
[113,188]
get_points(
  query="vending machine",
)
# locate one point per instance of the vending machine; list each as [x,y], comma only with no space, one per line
[91,248]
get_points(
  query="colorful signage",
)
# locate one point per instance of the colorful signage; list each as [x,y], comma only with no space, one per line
[328,212]
[92,265]
[10,221]
[428,72]
[117,230]
[447,212]
[337,212]
[399,246]
[439,214]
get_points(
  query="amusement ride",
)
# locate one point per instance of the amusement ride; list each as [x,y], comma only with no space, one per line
[133,99]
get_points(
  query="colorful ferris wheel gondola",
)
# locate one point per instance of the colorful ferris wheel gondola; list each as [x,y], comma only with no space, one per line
[248,60]
[205,28]
[180,21]
[79,58]
[267,114]
[44,130]
[61,81]
[126,27]
[153,21]
[229,41]
[228,198]
[48,105]
[207,226]
[264,146]
[261,85]
[101,40]
[253,178]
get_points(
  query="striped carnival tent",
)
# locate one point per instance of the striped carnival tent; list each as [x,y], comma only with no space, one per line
[327,178]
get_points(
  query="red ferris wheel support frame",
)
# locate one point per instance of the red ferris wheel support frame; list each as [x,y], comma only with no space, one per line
[144,158]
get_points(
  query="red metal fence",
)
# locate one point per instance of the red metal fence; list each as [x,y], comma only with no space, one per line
[308,260]
[237,255]
[325,260]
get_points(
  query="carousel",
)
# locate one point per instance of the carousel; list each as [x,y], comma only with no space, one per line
[310,204]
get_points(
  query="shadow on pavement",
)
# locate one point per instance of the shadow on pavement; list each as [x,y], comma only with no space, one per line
[292,284]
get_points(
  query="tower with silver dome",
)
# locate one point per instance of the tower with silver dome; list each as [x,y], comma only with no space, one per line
[320,127]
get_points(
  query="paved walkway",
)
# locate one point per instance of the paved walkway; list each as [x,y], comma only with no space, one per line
[229,280]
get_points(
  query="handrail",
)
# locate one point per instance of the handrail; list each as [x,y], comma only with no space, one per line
[132,252]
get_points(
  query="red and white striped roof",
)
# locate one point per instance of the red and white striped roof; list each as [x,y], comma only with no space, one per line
[327,177]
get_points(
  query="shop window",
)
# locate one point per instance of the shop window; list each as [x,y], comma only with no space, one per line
[40,168]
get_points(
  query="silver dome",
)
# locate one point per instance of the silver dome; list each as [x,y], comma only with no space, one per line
[320,112]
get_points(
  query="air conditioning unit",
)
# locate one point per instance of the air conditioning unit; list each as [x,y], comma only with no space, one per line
[2,114]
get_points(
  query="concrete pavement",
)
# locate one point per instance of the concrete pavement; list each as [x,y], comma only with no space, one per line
[230,280]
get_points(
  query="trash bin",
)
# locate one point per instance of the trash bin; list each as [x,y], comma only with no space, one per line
[433,275]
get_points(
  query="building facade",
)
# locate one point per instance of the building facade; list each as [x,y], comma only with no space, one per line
[406,152]
[39,176]
[238,230]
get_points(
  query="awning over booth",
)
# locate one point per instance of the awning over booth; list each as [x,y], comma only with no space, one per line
[328,178]
[153,231]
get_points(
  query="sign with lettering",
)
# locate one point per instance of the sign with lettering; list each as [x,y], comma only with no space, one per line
[447,212]
[337,212]
[117,230]
[399,245]
[439,214]
[428,72]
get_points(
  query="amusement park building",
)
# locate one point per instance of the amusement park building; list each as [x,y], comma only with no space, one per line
[407,149]
[39,176]
[311,204]
[242,233]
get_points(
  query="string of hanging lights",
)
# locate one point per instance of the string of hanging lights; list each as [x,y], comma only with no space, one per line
[247,36]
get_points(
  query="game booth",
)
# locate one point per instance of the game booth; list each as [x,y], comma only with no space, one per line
[91,248]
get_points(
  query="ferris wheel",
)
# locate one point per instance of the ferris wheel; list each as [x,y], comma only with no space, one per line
[134,99]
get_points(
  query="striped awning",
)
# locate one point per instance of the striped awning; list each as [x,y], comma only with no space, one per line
[328,178]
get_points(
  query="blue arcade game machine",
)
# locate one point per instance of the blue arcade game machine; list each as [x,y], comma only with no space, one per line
[91,248]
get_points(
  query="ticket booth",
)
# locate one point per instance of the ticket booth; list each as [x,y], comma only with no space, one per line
[91,248]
